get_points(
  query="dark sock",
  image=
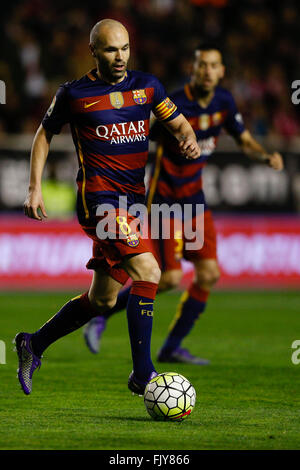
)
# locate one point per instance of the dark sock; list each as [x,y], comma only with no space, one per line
[140,317]
[70,317]
[192,304]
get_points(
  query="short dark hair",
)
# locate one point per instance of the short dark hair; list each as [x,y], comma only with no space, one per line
[210,46]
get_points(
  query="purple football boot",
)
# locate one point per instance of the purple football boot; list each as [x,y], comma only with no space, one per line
[181,355]
[137,386]
[28,361]
[93,332]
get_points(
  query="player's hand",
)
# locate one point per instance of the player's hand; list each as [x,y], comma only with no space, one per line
[275,161]
[189,149]
[33,203]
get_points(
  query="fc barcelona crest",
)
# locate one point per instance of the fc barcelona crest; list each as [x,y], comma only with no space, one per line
[139,96]
[204,121]
[217,117]
[168,103]
[133,240]
[116,99]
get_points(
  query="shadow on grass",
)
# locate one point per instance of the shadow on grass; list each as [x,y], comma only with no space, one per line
[130,418]
[143,420]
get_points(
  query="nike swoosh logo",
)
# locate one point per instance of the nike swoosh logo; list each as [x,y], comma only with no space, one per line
[87,105]
[145,303]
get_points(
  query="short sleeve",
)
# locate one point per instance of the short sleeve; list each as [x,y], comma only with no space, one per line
[234,122]
[58,113]
[164,109]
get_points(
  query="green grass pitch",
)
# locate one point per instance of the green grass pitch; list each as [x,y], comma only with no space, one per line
[248,398]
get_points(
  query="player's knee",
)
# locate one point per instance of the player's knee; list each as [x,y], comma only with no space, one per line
[208,277]
[170,280]
[102,304]
[144,268]
[152,273]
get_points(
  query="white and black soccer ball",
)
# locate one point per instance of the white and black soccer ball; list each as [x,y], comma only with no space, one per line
[169,397]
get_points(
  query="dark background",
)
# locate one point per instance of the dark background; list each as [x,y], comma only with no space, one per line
[45,43]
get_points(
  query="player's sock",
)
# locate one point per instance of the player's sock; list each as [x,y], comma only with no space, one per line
[192,304]
[120,304]
[140,317]
[70,317]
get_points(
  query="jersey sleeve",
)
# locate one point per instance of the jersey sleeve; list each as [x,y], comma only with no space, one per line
[233,124]
[58,113]
[163,108]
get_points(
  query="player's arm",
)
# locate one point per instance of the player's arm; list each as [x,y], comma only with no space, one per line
[183,132]
[56,116]
[249,146]
[255,151]
[39,152]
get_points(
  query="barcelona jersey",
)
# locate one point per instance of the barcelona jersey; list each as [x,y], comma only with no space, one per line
[110,130]
[175,179]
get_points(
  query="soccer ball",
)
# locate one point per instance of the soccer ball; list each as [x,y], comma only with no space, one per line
[169,397]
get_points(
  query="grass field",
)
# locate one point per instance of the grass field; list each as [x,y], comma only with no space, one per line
[248,398]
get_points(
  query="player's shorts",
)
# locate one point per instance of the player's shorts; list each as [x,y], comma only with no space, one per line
[169,252]
[125,240]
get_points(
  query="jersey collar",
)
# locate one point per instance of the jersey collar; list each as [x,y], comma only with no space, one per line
[92,75]
[188,92]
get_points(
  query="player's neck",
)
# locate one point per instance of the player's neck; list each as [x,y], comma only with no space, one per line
[108,79]
[203,97]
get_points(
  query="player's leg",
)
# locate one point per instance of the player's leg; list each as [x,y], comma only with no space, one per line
[79,310]
[192,305]
[130,255]
[169,252]
[96,326]
[94,329]
[170,279]
[193,301]
[74,314]
[207,273]
[145,273]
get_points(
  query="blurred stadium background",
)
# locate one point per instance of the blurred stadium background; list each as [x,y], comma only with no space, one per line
[256,209]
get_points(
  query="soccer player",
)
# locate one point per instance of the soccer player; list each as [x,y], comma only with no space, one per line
[108,110]
[209,108]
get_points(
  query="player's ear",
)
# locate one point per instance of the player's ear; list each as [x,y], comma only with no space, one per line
[92,49]
[222,71]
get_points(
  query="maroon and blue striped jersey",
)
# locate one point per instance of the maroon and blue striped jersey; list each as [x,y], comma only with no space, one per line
[175,179]
[110,130]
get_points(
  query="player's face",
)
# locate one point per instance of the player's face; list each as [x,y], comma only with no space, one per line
[207,70]
[112,54]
